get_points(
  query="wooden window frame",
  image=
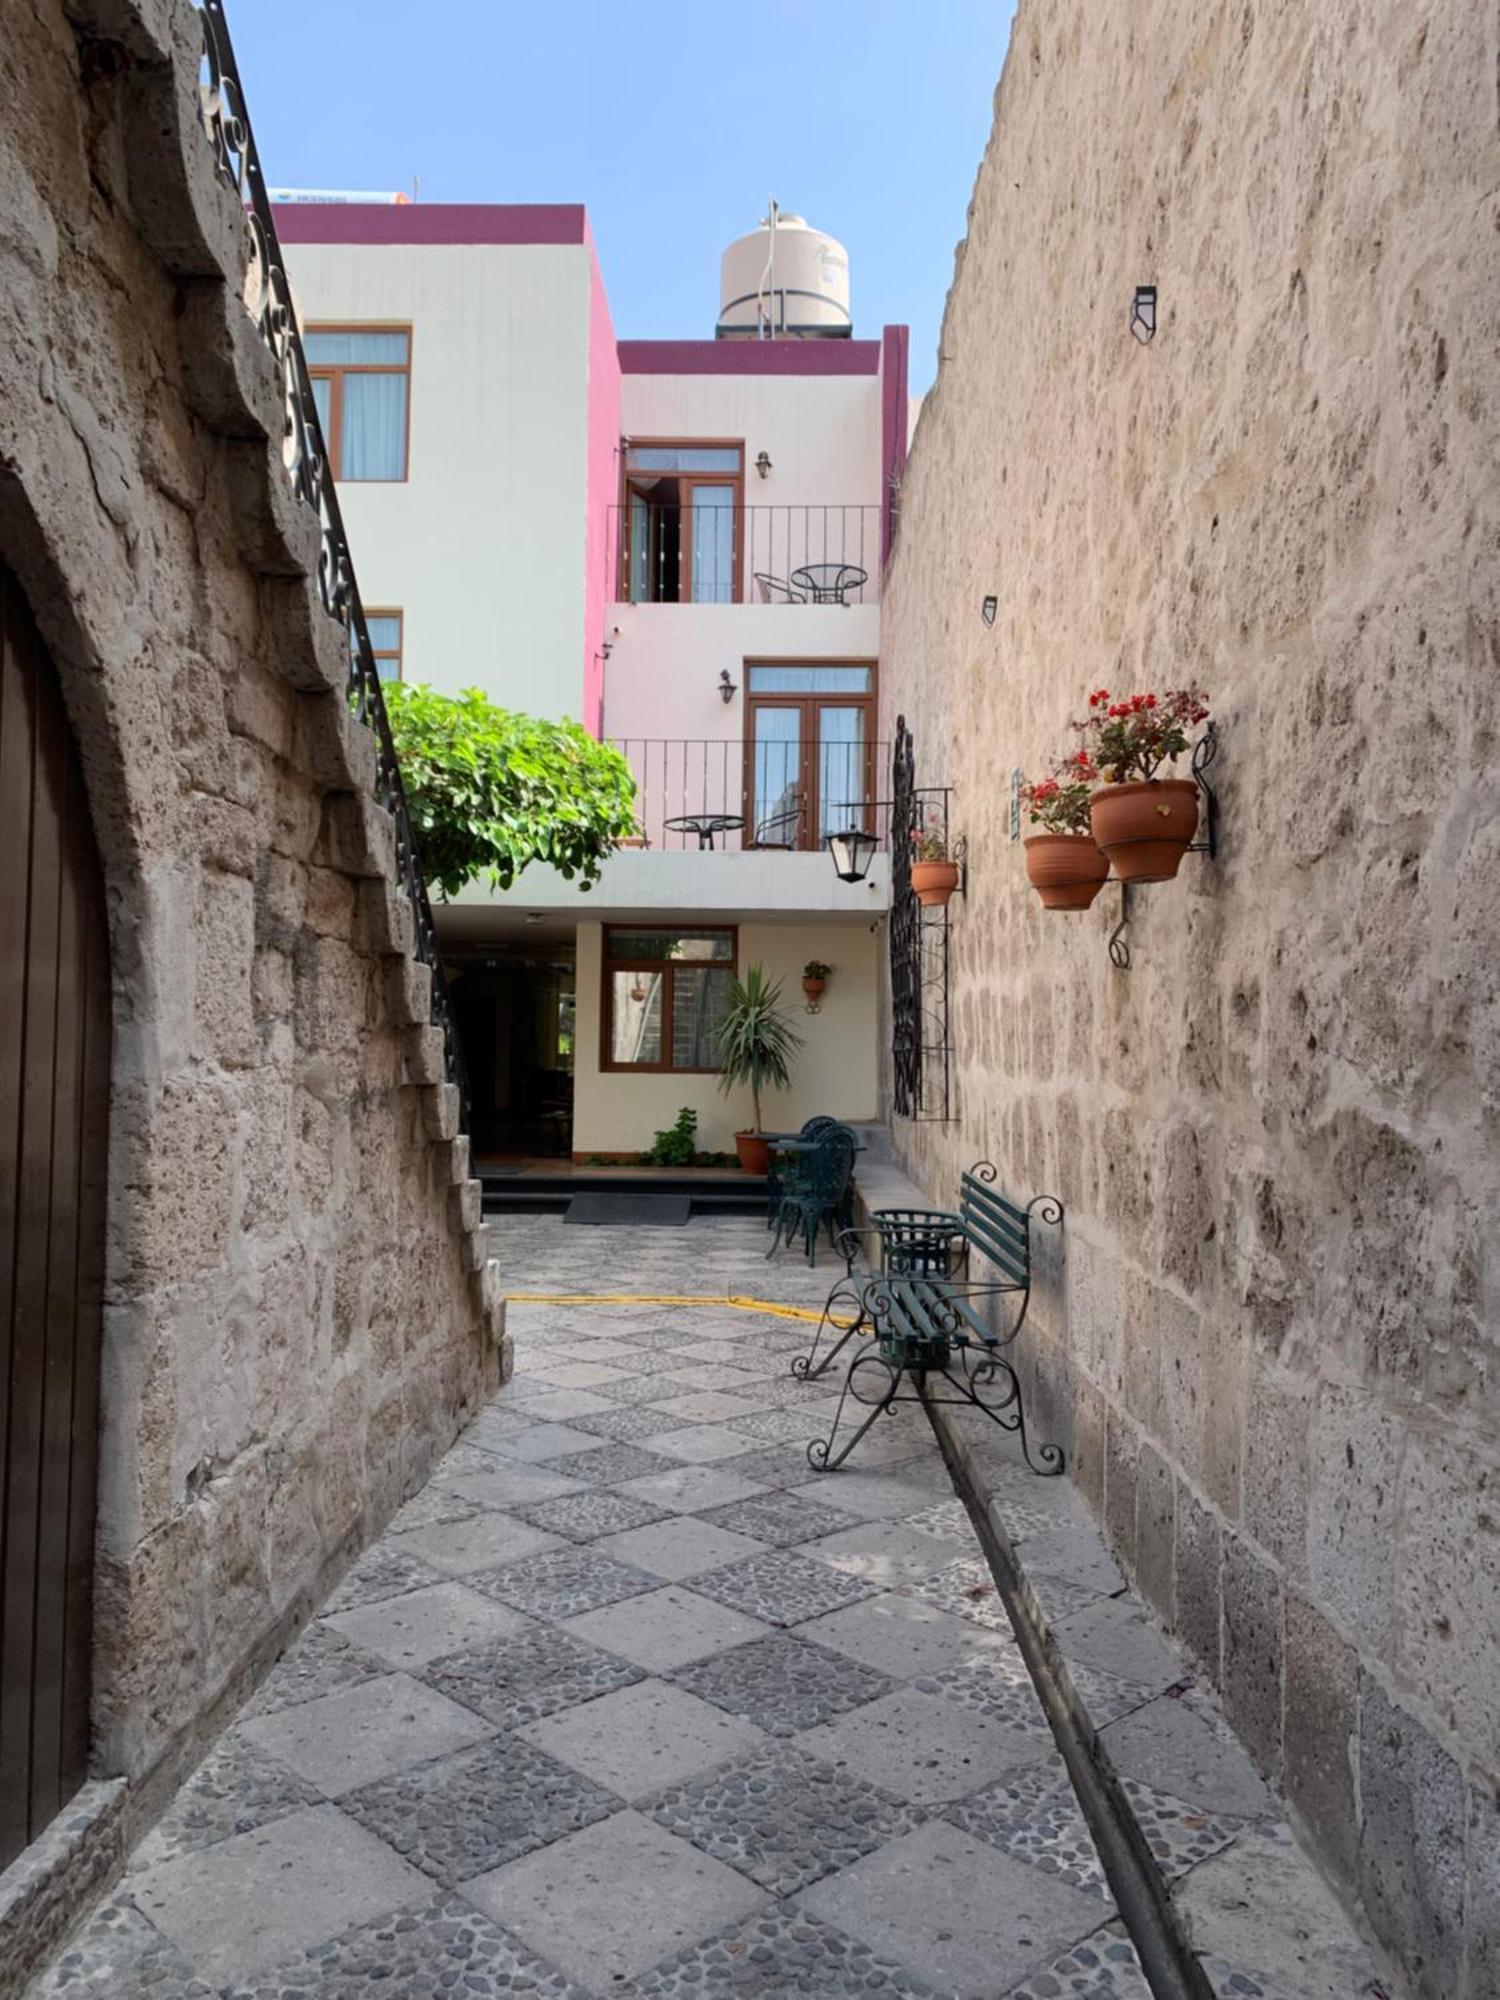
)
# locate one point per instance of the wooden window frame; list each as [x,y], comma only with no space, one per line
[869,701]
[333,373]
[736,480]
[610,965]
[381,659]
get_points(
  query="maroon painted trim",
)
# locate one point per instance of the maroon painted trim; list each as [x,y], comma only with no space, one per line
[895,343]
[749,357]
[431,222]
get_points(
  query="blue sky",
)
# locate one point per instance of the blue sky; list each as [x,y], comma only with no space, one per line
[671,122]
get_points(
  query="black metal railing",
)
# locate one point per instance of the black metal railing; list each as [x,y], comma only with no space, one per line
[781,797]
[919,944]
[268,298]
[700,553]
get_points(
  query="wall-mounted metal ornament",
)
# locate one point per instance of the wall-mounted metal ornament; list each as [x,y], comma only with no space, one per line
[1204,752]
[988,609]
[1143,313]
[1015,802]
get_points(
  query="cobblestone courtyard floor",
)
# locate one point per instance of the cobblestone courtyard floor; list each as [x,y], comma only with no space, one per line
[628,1702]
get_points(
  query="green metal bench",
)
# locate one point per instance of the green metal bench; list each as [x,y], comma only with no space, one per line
[927,1321]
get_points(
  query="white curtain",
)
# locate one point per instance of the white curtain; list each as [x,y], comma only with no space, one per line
[373,427]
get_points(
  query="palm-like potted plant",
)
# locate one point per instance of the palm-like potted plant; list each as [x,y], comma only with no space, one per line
[757,1043]
[1144,823]
[934,872]
[1062,863]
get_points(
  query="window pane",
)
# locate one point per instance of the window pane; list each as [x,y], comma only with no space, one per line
[842,768]
[663,945]
[373,441]
[701,997]
[322,390]
[635,1001]
[713,544]
[385,632]
[809,680]
[683,458]
[366,350]
[777,776]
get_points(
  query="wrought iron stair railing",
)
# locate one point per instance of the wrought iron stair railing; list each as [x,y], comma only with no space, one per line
[268,297]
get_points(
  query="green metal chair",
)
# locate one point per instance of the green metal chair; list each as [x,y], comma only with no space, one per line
[815,1188]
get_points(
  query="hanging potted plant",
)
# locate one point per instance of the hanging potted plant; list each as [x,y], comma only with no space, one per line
[1063,864]
[756,1046]
[934,873]
[814,978]
[1144,823]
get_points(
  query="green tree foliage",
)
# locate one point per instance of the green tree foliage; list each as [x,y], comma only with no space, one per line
[757,1042]
[491,791]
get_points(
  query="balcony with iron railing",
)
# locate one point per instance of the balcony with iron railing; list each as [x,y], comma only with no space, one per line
[702,553]
[726,796]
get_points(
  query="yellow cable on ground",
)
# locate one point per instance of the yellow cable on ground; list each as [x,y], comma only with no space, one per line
[651,1299]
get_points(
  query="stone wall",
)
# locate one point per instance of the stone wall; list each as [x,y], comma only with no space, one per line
[1270,1343]
[299,1312]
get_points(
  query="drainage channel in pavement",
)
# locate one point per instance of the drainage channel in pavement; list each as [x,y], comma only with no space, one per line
[626,1701]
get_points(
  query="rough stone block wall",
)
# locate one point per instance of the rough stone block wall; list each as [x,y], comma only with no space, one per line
[299,1311]
[1270,1340]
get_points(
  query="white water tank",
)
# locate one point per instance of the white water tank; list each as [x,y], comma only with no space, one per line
[784,280]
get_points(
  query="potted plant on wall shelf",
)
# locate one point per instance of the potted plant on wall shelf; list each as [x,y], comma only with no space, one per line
[1144,823]
[934,872]
[1063,864]
[756,1046]
[815,975]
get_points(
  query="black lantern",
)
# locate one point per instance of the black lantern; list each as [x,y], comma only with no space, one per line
[853,850]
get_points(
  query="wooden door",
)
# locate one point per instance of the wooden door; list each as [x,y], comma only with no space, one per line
[54,1118]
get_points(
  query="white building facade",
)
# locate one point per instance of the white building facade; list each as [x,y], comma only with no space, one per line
[679,544]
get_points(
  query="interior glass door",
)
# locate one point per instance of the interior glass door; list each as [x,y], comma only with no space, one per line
[843,769]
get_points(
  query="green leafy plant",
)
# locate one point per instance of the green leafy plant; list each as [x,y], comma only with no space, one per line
[757,1041]
[491,790]
[816,969]
[678,1145]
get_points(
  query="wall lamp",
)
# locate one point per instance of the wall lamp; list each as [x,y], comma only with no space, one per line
[763,463]
[988,609]
[852,850]
[728,689]
[1143,313]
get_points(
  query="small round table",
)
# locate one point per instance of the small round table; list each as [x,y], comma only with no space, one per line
[828,583]
[705,825]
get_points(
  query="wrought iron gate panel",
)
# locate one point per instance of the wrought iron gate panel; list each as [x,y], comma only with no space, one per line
[54,1119]
[921,1042]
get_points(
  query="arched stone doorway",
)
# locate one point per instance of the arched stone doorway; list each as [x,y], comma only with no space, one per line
[54,1128]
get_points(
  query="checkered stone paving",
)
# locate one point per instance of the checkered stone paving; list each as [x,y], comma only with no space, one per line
[652,1761]
[448,1948]
[583,1516]
[561,1583]
[520,1680]
[784,1819]
[781,1518]
[468,1813]
[782,1954]
[783,1684]
[782,1587]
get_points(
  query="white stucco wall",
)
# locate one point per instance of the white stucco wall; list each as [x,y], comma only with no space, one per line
[615,1111]
[822,432]
[481,547]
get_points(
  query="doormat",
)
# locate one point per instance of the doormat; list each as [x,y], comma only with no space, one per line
[659,1211]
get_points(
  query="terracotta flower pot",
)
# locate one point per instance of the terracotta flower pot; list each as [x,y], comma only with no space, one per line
[934,881]
[1066,869]
[754,1152]
[813,987]
[1146,826]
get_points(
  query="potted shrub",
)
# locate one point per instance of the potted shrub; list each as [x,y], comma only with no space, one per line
[934,873]
[1144,823]
[756,1045]
[1063,864]
[815,977]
